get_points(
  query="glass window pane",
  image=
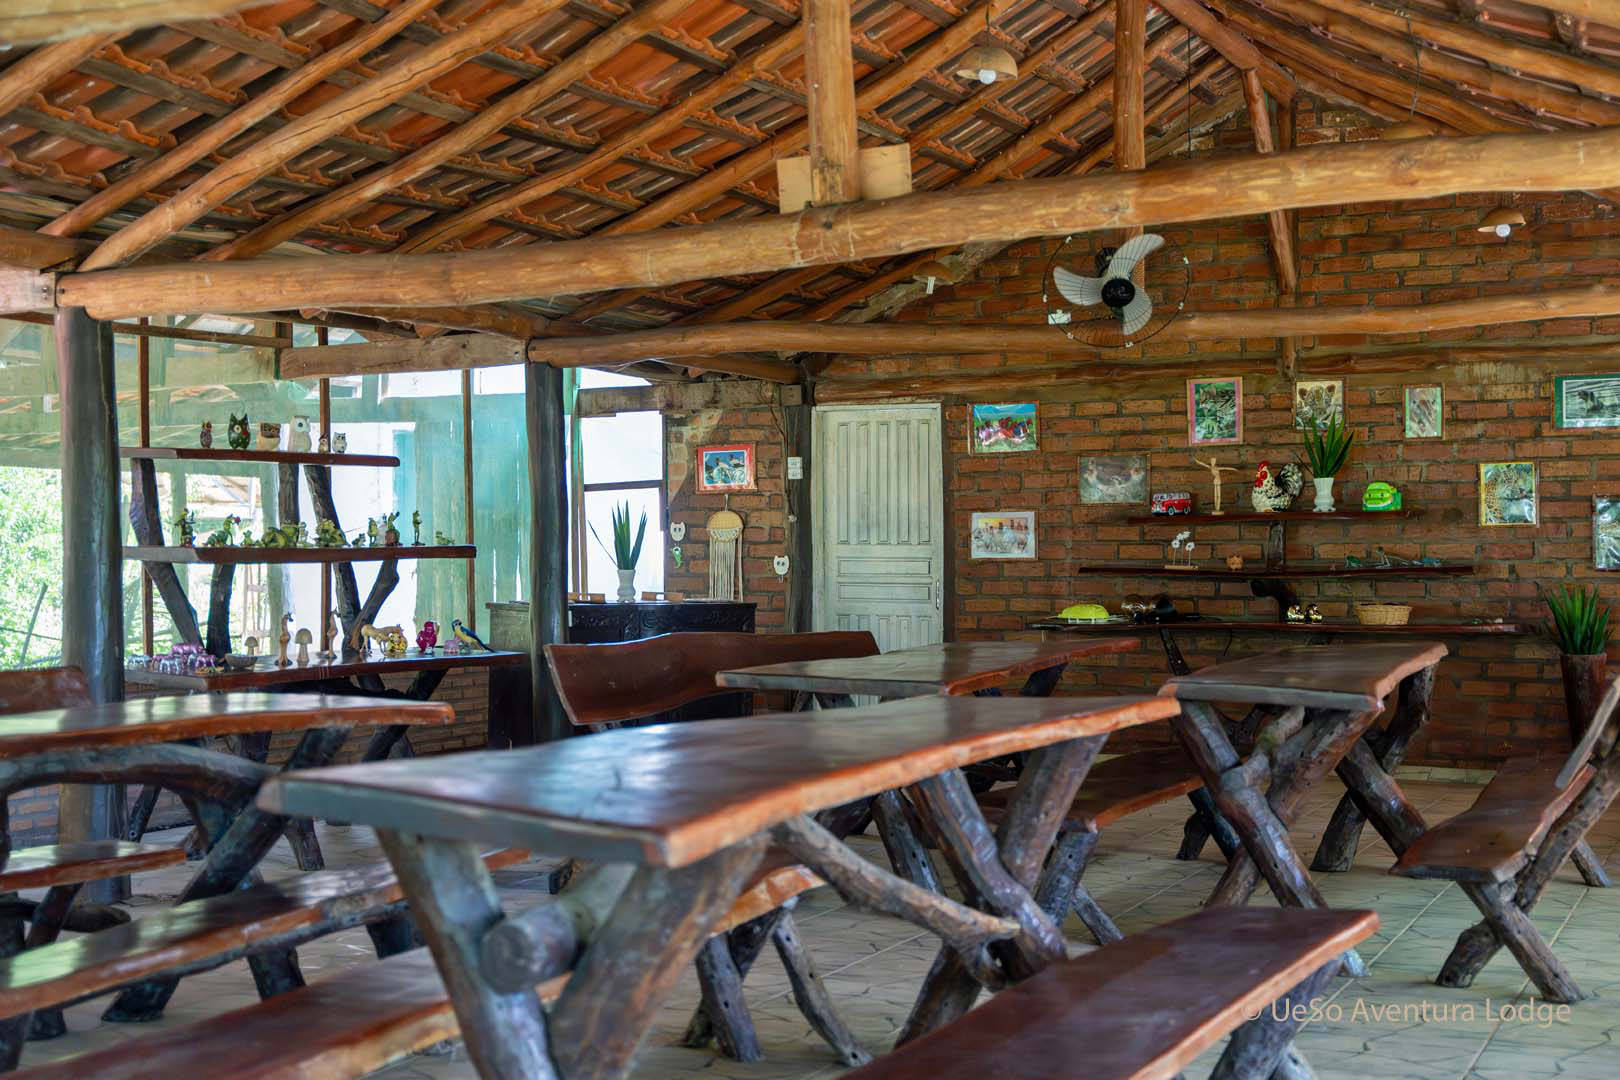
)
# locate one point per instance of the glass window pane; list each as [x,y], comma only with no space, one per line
[629,446]
[600,574]
[589,378]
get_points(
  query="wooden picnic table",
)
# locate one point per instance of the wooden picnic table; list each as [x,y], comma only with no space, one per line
[951,668]
[690,807]
[1312,712]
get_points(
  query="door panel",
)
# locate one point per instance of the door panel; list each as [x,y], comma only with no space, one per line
[880,548]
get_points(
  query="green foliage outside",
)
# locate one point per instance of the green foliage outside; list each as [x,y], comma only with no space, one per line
[30,566]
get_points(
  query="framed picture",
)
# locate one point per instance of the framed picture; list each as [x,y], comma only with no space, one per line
[1122,479]
[1606,532]
[1321,400]
[725,468]
[1507,493]
[1003,534]
[1425,412]
[1004,429]
[1586,401]
[1214,411]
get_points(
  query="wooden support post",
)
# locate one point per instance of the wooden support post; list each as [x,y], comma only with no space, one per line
[1130,40]
[835,173]
[467,488]
[92,561]
[800,522]
[321,335]
[548,543]
[143,355]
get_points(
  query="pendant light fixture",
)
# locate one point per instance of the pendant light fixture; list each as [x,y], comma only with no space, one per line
[931,272]
[987,63]
[1501,221]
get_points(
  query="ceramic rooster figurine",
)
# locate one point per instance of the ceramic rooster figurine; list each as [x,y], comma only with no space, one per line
[1275,491]
[467,637]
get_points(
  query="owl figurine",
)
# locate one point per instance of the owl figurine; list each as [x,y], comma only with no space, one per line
[269,437]
[237,434]
[299,440]
[340,443]
[205,438]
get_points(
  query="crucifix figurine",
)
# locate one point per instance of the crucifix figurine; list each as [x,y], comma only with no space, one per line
[1215,470]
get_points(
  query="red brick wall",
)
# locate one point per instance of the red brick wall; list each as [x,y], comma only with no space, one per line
[1494,698]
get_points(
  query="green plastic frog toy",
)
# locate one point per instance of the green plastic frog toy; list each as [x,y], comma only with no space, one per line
[1381,496]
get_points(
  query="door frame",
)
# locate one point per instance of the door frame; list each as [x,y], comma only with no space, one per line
[821,574]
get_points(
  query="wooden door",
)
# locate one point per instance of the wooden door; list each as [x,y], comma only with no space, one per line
[880,523]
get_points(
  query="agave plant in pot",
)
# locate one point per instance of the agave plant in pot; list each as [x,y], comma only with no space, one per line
[625,552]
[1580,629]
[1327,449]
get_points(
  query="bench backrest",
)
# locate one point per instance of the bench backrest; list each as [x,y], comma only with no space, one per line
[1600,737]
[632,680]
[42,688]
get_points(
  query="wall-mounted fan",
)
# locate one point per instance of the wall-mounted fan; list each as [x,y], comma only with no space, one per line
[1135,289]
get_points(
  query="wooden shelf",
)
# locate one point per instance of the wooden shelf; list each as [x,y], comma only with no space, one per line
[272,457]
[1417,629]
[266,556]
[1245,517]
[1296,570]
[264,671]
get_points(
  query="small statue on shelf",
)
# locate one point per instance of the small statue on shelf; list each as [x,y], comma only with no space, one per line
[298,440]
[416,528]
[340,443]
[394,642]
[269,437]
[237,433]
[225,535]
[1313,613]
[1295,613]
[390,533]
[303,639]
[1183,544]
[372,532]
[427,638]
[328,535]
[467,638]
[285,639]
[1276,491]
[442,540]
[250,645]
[1215,469]
[325,445]
[1234,562]
[185,523]
[205,438]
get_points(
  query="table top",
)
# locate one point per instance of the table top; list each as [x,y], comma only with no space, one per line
[264,671]
[955,667]
[670,794]
[166,719]
[1355,678]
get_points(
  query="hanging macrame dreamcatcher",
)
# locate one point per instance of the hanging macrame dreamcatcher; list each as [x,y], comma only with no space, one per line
[725,555]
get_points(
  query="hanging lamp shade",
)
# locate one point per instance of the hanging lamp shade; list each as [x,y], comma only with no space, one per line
[1408,129]
[1501,221]
[987,64]
[932,272]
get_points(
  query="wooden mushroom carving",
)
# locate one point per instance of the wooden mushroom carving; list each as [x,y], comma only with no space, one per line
[304,639]
[250,645]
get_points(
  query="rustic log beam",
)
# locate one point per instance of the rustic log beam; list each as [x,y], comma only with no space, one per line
[240,171]
[176,333]
[1130,66]
[1282,239]
[1184,191]
[34,72]
[153,173]
[31,251]
[835,166]
[451,353]
[497,319]
[27,22]
[468,136]
[1602,11]
[1237,49]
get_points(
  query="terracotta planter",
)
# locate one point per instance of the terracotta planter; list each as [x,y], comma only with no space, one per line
[1584,678]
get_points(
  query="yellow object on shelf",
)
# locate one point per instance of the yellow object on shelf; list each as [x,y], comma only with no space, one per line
[1084,611]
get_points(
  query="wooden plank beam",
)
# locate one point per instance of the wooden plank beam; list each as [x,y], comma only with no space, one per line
[34,72]
[494,319]
[455,352]
[240,171]
[460,139]
[27,22]
[1606,12]
[878,339]
[835,166]
[1130,66]
[1183,191]
[154,173]
[685,397]
[32,251]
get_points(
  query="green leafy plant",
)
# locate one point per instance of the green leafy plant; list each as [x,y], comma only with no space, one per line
[1327,448]
[1580,621]
[624,553]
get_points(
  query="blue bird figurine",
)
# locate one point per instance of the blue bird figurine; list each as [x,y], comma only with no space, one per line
[467,637]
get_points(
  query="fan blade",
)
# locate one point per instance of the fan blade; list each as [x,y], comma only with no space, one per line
[1076,289]
[1131,252]
[1136,314]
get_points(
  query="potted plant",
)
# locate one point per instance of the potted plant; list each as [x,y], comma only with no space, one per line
[1580,629]
[1327,449]
[624,552]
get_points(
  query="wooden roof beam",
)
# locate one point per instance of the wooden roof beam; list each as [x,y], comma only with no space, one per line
[1282,238]
[34,72]
[27,22]
[1130,66]
[347,108]
[1180,192]
[835,163]
[485,124]
[31,251]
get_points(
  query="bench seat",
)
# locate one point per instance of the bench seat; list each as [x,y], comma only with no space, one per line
[1141,1009]
[198,934]
[1119,787]
[1493,839]
[77,863]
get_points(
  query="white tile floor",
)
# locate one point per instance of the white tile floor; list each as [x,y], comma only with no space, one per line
[873,965]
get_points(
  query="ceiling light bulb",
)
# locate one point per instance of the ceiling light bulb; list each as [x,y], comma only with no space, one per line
[987,76]
[1504,231]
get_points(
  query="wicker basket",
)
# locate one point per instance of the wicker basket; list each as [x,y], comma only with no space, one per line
[1383,614]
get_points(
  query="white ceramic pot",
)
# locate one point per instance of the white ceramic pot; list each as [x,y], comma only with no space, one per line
[627,585]
[1324,494]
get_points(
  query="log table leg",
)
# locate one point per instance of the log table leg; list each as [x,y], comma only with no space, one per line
[1337,850]
[744,943]
[1260,1046]
[907,853]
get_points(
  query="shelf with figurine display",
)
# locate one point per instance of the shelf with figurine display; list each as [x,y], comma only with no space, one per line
[264,671]
[278,555]
[258,457]
[1269,517]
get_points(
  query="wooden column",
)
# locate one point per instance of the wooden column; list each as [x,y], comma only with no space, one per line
[144,361]
[1130,40]
[800,537]
[548,540]
[92,560]
[467,487]
[835,172]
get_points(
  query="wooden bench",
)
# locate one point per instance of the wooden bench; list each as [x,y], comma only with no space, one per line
[1527,822]
[612,685]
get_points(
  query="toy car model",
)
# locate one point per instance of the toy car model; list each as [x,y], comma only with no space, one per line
[1172,502]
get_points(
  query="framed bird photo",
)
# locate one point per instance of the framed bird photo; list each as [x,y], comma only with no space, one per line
[725,468]
[1507,493]
[1214,411]
[1586,401]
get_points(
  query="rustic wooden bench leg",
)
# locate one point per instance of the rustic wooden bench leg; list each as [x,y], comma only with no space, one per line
[1206,823]
[723,1002]
[1337,851]
[1379,799]
[1041,683]
[1059,890]
[1590,866]
[1514,929]
[47,923]
[811,995]
[454,897]
[635,958]
[1260,1045]
[907,853]
[13,1029]
[140,815]
[745,943]
[394,935]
